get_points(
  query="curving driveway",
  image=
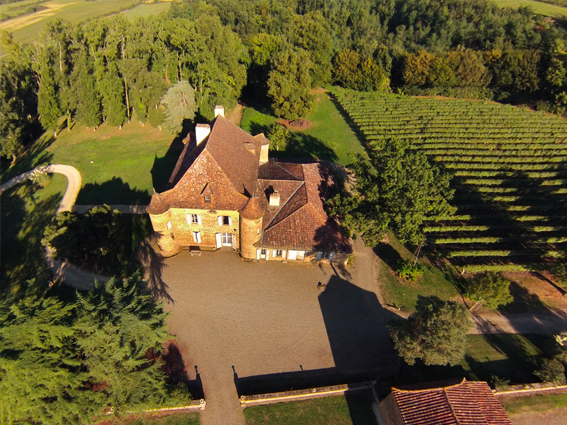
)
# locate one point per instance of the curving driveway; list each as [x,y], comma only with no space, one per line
[62,270]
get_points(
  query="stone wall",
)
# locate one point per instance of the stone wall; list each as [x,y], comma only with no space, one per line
[179,234]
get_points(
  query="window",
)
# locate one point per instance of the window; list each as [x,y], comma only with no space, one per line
[226,239]
[224,220]
[169,225]
[325,255]
[197,237]
[258,231]
[193,219]
[207,199]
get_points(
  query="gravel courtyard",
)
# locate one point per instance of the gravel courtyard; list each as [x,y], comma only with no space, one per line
[237,319]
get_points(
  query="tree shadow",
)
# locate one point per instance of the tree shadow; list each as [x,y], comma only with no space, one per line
[34,156]
[112,192]
[388,254]
[360,344]
[163,167]
[354,128]
[23,270]
[153,264]
[176,372]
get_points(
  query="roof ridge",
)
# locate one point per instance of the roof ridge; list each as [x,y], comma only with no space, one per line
[288,199]
[433,389]
[224,173]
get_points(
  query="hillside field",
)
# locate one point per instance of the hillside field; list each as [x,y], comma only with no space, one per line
[542,8]
[27,27]
[509,174]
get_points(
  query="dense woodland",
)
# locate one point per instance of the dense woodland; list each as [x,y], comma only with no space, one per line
[273,51]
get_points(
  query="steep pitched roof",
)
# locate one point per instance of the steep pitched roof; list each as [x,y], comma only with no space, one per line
[465,403]
[227,160]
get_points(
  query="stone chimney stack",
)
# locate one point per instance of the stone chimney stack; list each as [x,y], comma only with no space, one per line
[275,199]
[201,132]
[219,110]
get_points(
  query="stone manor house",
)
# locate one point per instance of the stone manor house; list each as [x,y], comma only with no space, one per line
[225,191]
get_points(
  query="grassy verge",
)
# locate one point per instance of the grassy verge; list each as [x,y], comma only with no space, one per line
[402,293]
[329,137]
[25,212]
[344,410]
[126,164]
[534,403]
[181,419]
[546,9]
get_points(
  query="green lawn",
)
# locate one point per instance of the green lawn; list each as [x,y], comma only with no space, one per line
[343,410]
[26,28]
[181,419]
[510,357]
[402,293]
[553,10]
[122,161]
[535,403]
[24,213]
[329,137]
[146,10]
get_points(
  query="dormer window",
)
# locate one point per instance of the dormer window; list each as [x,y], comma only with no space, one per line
[207,199]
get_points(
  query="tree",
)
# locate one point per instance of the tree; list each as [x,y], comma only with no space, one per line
[551,370]
[41,379]
[490,289]
[278,136]
[435,333]
[120,333]
[351,71]
[179,102]
[416,68]
[289,84]
[397,189]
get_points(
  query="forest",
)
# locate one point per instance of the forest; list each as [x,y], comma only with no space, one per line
[273,52]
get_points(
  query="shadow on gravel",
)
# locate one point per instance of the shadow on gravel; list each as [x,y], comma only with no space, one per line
[174,368]
[154,263]
[359,341]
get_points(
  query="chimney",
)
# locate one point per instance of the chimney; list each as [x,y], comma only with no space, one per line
[275,199]
[264,153]
[219,110]
[201,132]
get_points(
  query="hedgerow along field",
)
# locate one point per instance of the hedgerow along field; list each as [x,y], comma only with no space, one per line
[509,174]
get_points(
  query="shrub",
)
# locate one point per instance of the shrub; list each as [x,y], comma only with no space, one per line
[552,370]
[490,289]
[408,271]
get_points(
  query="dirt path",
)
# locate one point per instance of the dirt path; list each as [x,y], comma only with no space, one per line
[537,322]
[235,115]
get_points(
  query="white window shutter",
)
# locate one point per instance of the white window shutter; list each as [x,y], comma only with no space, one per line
[169,224]
[229,221]
[198,237]
[219,218]
[319,255]
[332,256]
[218,240]
[199,219]
[188,218]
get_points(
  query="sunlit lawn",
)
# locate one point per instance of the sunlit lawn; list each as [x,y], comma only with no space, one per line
[329,137]
[343,410]
[535,403]
[122,161]
[147,9]
[543,8]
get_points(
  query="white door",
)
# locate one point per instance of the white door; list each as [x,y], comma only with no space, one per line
[226,239]
[291,255]
[218,239]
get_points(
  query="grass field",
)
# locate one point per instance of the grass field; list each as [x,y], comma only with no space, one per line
[510,357]
[27,28]
[401,293]
[146,10]
[343,410]
[329,137]
[182,419]
[535,403]
[539,7]
[122,161]
[24,213]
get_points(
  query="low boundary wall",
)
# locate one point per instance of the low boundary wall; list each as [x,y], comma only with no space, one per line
[297,395]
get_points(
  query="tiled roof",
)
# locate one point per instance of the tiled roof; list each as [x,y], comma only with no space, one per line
[466,403]
[225,167]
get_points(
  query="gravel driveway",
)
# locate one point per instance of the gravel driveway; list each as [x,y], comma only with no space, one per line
[235,320]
